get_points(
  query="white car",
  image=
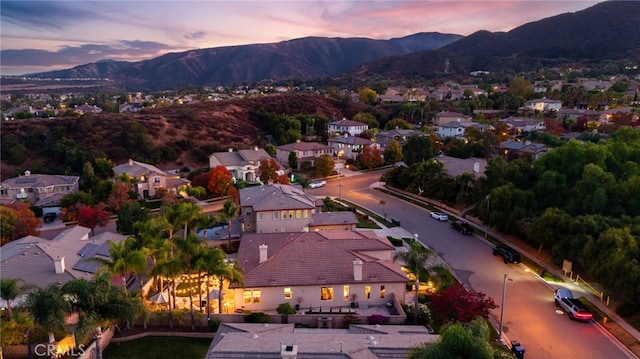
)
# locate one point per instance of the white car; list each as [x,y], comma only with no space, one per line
[317,184]
[439,216]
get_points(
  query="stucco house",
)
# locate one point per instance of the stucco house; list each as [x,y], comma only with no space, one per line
[351,146]
[41,190]
[305,152]
[243,164]
[447,116]
[149,178]
[458,128]
[284,341]
[353,128]
[39,261]
[384,138]
[543,105]
[513,149]
[519,125]
[317,269]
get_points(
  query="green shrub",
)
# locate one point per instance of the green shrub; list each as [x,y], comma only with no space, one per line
[213,324]
[285,309]
[257,317]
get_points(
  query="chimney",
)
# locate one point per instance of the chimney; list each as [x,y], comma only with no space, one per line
[476,167]
[230,150]
[59,265]
[130,162]
[263,253]
[255,148]
[27,173]
[288,351]
[357,269]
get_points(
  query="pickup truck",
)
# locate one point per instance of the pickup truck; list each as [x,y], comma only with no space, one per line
[575,309]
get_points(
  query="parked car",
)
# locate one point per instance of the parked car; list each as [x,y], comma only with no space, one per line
[317,184]
[440,216]
[49,217]
[575,309]
[508,254]
[462,227]
[560,294]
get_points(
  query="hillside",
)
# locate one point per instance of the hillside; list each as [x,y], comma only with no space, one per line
[192,132]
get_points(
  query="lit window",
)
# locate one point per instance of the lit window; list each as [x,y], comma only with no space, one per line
[256,296]
[382,291]
[305,213]
[291,213]
[345,292]
[288,293]
[247,297]
[367,292]
[298,214]
[283,215]
[326,293]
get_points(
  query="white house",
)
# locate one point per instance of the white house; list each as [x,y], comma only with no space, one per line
[457,128]
[524,124]
[353,128]
[243,164]
[543,105]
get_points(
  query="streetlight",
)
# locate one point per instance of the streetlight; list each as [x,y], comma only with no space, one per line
[485,223]
[504,293]
[340,153]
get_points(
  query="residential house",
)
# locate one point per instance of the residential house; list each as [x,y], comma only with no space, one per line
[458,166]
[391,96]
[514,149]
[457,129]
[384,138]
[149,178]
[285,341]
[448,117]
[591,116]
[319,268]
[129,107]
[39,261]
[305,152]
[349,146]
[543,105]
[10,113]
[277,208]
[344,220]
[519,125]
[243,164]
[82,109]
[353,128]
[39,189]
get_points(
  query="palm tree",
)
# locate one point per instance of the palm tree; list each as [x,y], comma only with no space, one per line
[190,213]
[123,259]
[232,272]
[415,260]
[169,268]
[210,262]
[10,290]
[189,249]
[49,309]
[227,213]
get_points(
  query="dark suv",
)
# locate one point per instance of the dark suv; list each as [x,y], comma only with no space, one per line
[507,253]
[49,217]
[462,227]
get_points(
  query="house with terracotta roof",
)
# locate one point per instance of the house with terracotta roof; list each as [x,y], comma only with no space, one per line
[518,125]
[40,190]
[41,261]
[149,178]
[318,269]
[305,152]
[514,149]
[353,128]
[243,164]
[351,146]
[448,117]
[384,138]
[285,341]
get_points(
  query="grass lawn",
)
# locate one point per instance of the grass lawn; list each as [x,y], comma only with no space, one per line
[158,348]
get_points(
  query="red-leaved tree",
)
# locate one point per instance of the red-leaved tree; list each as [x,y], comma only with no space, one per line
[269,169]
[91,217]
[456,304]
[220,181]
[370,157]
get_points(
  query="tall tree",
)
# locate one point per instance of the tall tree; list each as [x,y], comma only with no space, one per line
[91,217]
[415,260]
[220,181]
[227,214]
[393,152]
[324,165]
[10,289]
[124,259]
[49,309]
[189,250]
[231,272]
[26,222]
[211,262]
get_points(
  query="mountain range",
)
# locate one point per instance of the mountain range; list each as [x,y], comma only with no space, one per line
[605,31]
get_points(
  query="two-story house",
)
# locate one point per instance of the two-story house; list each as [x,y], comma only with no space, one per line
[457,129]
[518,125]
[243,164]
[543,105]
[384,138]
[514,149]
[149,178]
[39,189]
[305,152]
[447,117]
[317,269]
[349,146]
[353,128]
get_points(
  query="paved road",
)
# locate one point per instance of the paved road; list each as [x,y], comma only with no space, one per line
[530,315]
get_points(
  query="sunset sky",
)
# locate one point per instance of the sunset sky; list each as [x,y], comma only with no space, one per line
[41,36]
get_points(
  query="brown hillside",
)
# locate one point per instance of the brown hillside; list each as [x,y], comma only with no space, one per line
[192,131]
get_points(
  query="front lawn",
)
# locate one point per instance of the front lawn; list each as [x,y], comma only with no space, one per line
[158,348]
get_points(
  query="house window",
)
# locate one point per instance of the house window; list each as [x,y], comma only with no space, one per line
[248,214]
[367,292]
[291,214]
[345,292]
[382,291]
[326,293]
[247,297]
[283,215]
[288,293]
[298,214]
[256,296]
[276,216]
[305,213]
[4,191]
[259,215]
[156,179]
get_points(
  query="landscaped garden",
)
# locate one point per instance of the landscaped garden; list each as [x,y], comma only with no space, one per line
[158,348]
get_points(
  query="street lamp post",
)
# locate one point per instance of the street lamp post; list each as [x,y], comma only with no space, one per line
[485,223]
[339,175]
[504,293]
